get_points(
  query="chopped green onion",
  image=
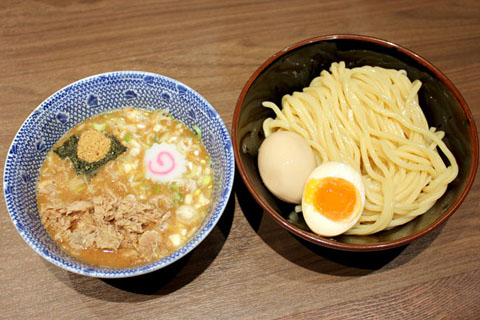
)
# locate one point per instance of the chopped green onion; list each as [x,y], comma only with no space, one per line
[206,180]
[155,140]
[176,200]
[127,137]
[164,137]
[179,197]
[293,217]
[80,188]
[297,220]
[100,127]
[157,189]
[197,131]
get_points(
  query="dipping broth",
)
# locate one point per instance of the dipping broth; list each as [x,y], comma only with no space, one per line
[125,188]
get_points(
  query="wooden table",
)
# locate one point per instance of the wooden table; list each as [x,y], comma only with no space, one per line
[248,267]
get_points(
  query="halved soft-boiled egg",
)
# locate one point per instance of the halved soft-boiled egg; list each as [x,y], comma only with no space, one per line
[333,199]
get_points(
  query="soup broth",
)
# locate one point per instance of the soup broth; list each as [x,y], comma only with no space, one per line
[125,188]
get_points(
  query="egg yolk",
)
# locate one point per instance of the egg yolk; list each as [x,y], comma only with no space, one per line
[334,198]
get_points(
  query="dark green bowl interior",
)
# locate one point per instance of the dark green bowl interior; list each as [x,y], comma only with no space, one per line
[293,70]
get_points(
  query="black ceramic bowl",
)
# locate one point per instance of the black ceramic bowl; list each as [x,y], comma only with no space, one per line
[292,69]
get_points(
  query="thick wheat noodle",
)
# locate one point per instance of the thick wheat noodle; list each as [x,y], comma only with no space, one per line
[370,118]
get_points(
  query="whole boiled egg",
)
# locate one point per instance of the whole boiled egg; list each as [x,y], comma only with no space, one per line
[285,160]
[333,199]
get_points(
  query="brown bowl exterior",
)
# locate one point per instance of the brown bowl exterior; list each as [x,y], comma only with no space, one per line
[292,69]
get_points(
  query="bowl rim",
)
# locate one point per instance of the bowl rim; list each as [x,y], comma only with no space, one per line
[324,241]
[108,272]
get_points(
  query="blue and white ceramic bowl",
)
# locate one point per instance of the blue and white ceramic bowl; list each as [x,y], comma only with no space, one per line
[81,100]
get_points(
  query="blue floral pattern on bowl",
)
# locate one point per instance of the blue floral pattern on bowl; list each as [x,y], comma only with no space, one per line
[81,100]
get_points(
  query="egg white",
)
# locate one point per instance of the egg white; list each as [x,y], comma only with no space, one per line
[318,223]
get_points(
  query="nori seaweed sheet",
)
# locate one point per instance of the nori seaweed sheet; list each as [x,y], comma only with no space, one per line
[69,149]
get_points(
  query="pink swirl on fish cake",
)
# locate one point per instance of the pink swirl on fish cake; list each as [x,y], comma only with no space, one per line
[160,162]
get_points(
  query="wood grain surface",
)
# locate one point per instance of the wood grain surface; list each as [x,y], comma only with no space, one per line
[248,267]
